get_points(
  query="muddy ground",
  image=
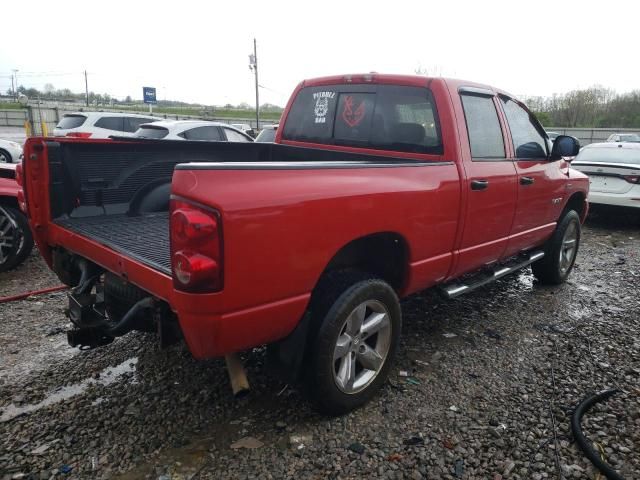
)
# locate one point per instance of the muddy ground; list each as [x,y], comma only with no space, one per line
[492,380]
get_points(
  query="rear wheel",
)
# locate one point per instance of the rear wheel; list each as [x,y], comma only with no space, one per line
[16,241]
[560,252]
[355,344]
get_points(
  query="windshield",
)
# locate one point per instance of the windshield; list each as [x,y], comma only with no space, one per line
[610,155]
[150,131]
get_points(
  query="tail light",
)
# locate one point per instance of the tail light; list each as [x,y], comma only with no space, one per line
[196,248]
[79,134]
[632,178]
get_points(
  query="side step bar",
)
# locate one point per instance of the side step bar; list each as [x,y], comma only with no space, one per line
[457,288]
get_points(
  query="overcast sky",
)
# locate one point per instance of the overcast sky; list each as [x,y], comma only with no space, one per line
[198,51]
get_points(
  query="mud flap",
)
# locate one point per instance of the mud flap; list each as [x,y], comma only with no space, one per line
[285,356]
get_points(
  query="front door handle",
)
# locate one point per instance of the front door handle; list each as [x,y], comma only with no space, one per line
[526,180]
[479,184]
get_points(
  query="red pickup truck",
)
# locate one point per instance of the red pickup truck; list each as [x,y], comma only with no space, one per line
[16,241]
[377,186]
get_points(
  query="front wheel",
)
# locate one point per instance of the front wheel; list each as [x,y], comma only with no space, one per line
[560,252]
[355,345]
[16,241]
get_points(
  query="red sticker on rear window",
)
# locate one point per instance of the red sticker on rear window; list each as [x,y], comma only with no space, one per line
[349,115]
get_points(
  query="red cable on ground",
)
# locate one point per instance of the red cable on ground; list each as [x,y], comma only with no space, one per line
[20,296]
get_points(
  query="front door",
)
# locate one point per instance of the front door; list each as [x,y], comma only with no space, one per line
[541,183]
[490,184]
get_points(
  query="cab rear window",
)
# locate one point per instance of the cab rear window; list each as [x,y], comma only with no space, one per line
[384,117]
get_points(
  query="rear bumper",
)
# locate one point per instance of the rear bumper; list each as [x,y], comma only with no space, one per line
[628,199]
[213,335]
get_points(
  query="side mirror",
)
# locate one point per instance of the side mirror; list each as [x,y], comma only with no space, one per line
[565,146]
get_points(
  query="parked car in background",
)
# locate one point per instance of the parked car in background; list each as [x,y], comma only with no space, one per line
[267,134]
[624,137]
[192,130]
[245,127]
[552,135]
[614,173]
[100,124]
[16,241]
[10,152]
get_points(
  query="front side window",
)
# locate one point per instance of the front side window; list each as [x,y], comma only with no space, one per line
[111,123]
[485,134]
[383,117]
[528,141]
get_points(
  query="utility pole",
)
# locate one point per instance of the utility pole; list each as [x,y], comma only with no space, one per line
[13,88]
[15,92]
[86,86]
[253,65]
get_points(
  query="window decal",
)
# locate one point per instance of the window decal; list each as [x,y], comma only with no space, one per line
[352,118]
[322,105]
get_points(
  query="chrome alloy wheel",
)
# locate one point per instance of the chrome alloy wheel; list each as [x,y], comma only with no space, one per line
[362,347]
[568,248]
[9,236]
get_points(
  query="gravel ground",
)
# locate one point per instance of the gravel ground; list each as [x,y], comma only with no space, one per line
[492,380]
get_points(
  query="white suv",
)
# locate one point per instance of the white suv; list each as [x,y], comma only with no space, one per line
[100,124]
[192,130]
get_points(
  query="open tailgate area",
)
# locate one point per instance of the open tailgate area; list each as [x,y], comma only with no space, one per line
[143,238]
[116,193]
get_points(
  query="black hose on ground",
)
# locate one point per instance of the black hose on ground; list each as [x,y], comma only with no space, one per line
[583,442]
[125,325]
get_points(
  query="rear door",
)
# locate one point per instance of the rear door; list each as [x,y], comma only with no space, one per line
[490,182]
[541,183]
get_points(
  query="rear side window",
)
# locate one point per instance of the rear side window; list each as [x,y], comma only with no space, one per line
[485,134]
[111,123]
[150,131]
[384,117]
[131,124]
[528,141]
[71,121]
[203,133]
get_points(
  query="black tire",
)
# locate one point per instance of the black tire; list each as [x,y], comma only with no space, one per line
[18,234]
[552,270]
[7,157]
[336,298]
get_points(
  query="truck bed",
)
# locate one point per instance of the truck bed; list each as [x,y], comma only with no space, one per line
[144,238]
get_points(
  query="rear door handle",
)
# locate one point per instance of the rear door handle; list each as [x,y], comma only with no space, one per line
[479,184]
[526,180]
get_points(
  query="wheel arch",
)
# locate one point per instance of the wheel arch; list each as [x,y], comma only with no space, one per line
[577,202]
[383,254]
